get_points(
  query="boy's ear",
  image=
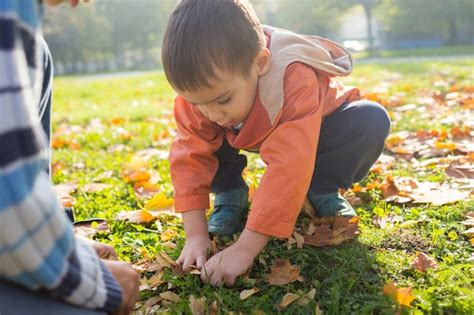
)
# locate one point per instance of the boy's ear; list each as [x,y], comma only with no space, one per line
[263,61]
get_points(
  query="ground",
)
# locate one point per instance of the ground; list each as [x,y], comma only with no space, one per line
[116,131]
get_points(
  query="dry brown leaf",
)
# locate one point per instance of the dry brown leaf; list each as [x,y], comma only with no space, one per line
[95,187]
[247,293]
[197,306]
[460,171]
[214,309]
[155,280]
[283,272]
[287,300]
[342,229]
[423,262]
[170,296]
[151,302]
[299,240]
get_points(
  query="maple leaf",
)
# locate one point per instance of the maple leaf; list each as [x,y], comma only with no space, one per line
[283,272]
[401,295]
[423,262]
[342,229]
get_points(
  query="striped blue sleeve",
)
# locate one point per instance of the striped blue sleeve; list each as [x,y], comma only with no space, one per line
[37,245]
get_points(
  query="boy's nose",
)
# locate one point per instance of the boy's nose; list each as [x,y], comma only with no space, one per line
[215,115]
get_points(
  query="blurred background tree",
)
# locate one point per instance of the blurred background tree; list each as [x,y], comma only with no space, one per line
[119,35]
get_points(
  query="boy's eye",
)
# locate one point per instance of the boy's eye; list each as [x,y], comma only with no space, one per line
[227,100]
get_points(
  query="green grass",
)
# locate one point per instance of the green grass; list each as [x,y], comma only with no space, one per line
[420,52]
[348,278]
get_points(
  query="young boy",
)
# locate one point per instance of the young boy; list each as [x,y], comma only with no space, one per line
[266,90]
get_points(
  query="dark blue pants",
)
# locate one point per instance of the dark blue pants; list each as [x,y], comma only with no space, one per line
[351,140]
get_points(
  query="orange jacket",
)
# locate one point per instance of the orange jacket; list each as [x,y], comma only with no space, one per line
[285,130]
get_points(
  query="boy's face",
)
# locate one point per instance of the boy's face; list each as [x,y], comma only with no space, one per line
[231,97]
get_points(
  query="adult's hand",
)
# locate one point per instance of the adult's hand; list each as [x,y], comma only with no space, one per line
[73,3]
[104,251]
[128,280]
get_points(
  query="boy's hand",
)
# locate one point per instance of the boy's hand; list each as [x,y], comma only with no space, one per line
[226,266]
[194,252]
[197,240]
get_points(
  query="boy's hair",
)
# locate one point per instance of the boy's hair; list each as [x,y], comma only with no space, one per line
[204,34]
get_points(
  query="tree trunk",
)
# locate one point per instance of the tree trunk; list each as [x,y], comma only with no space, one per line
[368,16]
[452,31]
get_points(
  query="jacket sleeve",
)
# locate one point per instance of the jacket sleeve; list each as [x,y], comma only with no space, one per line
[192,160]
[290,154]
[37,245]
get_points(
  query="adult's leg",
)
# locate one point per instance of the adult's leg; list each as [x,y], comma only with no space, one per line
[15,300]
[351,140]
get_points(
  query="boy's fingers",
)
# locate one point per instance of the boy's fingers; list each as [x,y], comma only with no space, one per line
[187,264]
[200,261]
[206,272]
[229,281]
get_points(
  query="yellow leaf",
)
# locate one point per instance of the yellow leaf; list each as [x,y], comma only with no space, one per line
[401,295]
[168,234]
[246,293]
[159,201]
[445,145]
[287,300]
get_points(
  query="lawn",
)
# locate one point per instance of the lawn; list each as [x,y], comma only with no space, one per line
[111,137]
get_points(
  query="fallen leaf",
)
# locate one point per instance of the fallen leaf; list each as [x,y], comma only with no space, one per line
[95,187]
[158,202]
[423,262]
[342,229]
[299,240]
[287,300]
[169,296]
[168,234]
[283,272]
[400,295]
[197,306]
[460,171]
[306,298]
[151,302]
[155,280]
[247,293]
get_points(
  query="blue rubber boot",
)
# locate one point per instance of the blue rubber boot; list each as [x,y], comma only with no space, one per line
[331,205]
[230,212]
